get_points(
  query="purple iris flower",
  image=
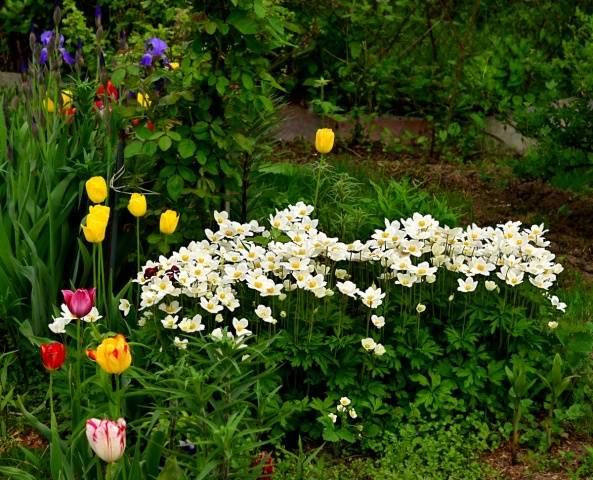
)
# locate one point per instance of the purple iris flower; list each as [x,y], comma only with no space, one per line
[46,38]
[155,48]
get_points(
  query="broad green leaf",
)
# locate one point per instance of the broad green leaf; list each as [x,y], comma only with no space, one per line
[242,22]
[175,186]
[165,143]
[186,148]
[132,149]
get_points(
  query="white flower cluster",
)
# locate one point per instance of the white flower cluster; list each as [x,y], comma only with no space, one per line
[344,406]
[294,254]
[59,323]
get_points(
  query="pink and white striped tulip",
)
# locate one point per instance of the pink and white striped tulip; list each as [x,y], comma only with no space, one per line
[107,438]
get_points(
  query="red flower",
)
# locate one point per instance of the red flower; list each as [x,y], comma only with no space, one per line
[267,465]
[150,125]
[111,91]
[79,302]
[53,355]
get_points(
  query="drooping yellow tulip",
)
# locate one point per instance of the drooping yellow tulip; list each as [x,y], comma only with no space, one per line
[94,229]
[137,205]
[113,355]
[143,100]
[324,140]
[96,189]
[168,222]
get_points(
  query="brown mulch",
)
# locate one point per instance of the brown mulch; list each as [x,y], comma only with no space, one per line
[553,465]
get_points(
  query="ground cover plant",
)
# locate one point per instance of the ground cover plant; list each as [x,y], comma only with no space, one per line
[184,303]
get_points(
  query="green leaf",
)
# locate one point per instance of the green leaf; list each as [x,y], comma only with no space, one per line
[258,8]
[174,135]
[247,81]
[132,149]
[149,148]
[355,49]
[186,148]
[117,76]
[171,470]
[210,27]
[165,143]
[175,186]
[242,22]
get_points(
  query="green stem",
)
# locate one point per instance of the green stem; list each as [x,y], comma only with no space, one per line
[318,181]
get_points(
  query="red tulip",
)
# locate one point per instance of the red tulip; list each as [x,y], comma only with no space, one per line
[53,355]
[150,125]
[79,302]
[111,90]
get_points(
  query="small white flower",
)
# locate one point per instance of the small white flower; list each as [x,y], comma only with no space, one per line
[341,408]
[59,325]
[345,401]
[124,306]
[378,321]
[451,297]
[333,417]
[490,285]
[170,321]
[92,316]
[420,308]
[347,288]
[141,321]
[181,344]
[467,285]
[341,274]
[218,318]
[192,325]
[352,413]
[379,349]
[368,344]
[282,314]
[552,324]
[240,327]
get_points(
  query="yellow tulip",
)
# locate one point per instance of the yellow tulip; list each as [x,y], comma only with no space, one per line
[66,101]
[324,140]
[50,106]
[168,223]
[143,100]
[113,355]
[94,229]
[96,189]
[137,205]
[100,212]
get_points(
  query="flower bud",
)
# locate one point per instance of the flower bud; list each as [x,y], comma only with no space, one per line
[96,189]
[324,140]
[137,205]
[107,438]
[168,222]
[52,355]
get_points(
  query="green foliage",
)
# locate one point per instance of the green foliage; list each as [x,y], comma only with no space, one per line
[439,449]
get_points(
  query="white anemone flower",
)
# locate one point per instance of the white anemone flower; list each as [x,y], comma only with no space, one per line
[192,325]
[240,327]
[467,285]
[378,321]
[372,297]
[379,349]
[92,316]
[180,344]
[170,321]
[124,306]
[368,344]
[347,288]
